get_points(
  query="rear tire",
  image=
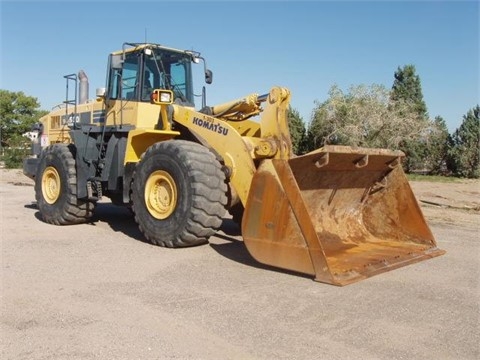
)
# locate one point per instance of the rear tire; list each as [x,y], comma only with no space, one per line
[179,194]
[56,188]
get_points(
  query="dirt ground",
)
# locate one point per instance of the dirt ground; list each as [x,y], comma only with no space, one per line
[449,203]
[98,291]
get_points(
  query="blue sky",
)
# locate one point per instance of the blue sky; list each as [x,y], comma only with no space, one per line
[251,46]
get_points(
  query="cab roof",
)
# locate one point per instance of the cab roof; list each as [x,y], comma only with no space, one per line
[136,47]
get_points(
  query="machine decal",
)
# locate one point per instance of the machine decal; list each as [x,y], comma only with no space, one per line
[44,140]
[71,119]
[79,118]
[210,126]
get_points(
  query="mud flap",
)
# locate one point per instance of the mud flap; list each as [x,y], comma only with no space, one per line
[340,214]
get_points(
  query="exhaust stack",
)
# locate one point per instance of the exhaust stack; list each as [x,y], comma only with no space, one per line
[83,87]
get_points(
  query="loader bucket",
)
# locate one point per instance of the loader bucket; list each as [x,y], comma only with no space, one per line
[340,214]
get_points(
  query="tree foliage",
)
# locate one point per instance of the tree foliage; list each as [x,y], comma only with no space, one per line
[297,129]
[407,88]
[18,112]
[364,116]
[436,147]
[464,155]
[372,116]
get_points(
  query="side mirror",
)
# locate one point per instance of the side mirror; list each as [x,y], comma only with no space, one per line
[208,76]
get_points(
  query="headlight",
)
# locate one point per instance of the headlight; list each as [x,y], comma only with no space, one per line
[160,96]
[165,97]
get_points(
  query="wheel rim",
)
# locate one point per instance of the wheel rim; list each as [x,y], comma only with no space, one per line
[51,185]
[160,194]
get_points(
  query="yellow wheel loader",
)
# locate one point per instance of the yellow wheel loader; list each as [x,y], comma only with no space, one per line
[340,214]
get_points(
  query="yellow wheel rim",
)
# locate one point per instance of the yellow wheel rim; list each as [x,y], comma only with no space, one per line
[51,185]
[160,194]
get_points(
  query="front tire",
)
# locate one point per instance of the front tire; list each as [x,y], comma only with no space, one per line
[237,213]
[179,194]
[56,188]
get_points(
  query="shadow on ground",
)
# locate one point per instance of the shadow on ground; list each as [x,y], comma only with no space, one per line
[234,249]
[121,219]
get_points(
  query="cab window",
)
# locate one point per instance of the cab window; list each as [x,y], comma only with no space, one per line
[129,78]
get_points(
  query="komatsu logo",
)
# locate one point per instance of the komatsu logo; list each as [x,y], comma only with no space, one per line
[210,126]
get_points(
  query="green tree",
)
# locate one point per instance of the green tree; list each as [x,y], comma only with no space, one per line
[437,146]
[318,130]
[464,156]
[297,129]
[18,112]
[407,89]
[364,116]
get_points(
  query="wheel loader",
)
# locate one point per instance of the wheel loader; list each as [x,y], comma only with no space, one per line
[340,214]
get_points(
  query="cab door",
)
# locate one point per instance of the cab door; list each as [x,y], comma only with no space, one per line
[124,88]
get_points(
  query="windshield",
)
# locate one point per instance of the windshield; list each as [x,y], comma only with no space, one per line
[165,69]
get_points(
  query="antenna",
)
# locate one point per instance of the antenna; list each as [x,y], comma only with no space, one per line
[145,35]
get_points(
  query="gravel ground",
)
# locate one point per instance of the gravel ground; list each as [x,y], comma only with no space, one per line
[97,291]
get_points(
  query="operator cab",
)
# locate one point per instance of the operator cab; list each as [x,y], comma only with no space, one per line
[138,69]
